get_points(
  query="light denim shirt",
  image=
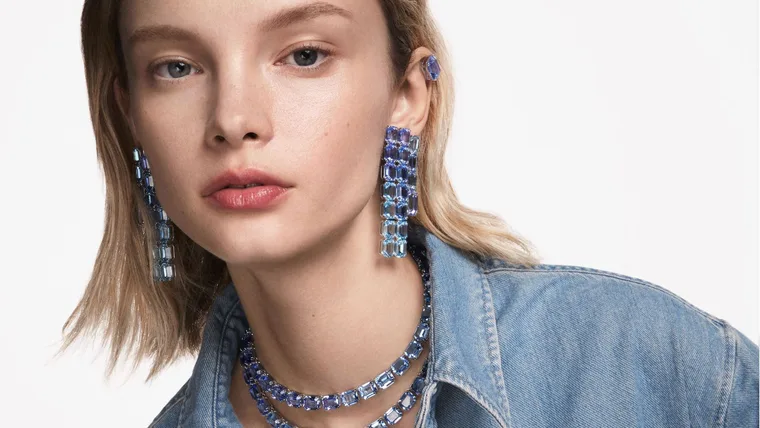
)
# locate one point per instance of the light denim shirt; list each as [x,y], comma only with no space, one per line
[549,346]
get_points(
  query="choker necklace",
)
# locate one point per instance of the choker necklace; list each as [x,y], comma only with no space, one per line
[263,387]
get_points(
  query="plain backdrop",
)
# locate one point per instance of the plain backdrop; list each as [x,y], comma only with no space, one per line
[612,134]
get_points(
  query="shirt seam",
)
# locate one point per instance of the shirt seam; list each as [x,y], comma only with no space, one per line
[727,378]
[494,352]
[220,350]
[179,398]
[637,281]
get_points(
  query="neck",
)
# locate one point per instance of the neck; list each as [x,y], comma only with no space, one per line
[334,318]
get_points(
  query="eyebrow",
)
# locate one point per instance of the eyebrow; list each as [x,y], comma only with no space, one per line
[280,20]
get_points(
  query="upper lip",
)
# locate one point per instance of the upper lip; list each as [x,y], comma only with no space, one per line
[241,177]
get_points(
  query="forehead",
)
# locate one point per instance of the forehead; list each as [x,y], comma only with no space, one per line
[241,18]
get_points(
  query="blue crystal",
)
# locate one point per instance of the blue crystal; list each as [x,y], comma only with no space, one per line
[402,210]
[144,164]
[432,67]
[412,161]
[389,190]
[402,173]
[407,400]
[138,174]
[404,154]
[148,181]
[417,385]
[412,204]
[150,199]
[393,415]
[426,311]
[400,366]
[414,144]
[368,390]
[254,390]
[387,247]
[389,209]
[159,215]
[402,229]
[349,398]
[164,232]
[412,181]
[263,378]
[422,332]
[246,356]
[330,402]
[414,350]
[391,133]
[402,191]
[294,399]
[380,423]
[312,402]
[136,154]
[390,172]
[404,134]
[385,379]
[389,228]
[271,417]
[400,248]
[391,151]
[280,393]
[285,425]
[263,406]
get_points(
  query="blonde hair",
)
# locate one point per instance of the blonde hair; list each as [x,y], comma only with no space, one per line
[163,322]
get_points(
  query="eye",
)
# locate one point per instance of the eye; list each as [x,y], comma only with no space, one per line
[306,56]
[175,69]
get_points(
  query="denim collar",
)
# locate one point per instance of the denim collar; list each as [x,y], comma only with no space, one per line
[464,349]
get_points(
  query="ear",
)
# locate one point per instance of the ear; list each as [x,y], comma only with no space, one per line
[122,100]
[413,97]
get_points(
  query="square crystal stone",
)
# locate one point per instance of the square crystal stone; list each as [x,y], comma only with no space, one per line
[402,173]
[426,310]
[412,181]
[391,151]
[404,154]
[349,398]
[412,161]
[393,415]
[294,399]
[388,247]
[385,379]
[160,215]
[390,173]
[138,174]
[144,164]
[136,154]
[390,190]
[330,402]
[414,350]
[400,248]
[406,402]
[417,385]
[402,191]
[389,209]
[391,133]
[368,390]
[164,232]
[163,272]
[400,366]
[404,134]
[402,210]
[163,252]
[422,332]
[148,181]
[312,402]
[389,229]
[380,423]
[412,204]
[414,144]
[402,229]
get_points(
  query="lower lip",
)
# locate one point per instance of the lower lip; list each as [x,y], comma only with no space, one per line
[249,198]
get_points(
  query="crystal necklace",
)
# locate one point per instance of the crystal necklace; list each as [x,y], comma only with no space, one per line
[263,387]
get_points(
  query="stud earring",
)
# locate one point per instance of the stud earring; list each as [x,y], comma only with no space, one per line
[431,68]
[399,175]
[163,252]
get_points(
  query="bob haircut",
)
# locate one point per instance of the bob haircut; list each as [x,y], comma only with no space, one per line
[162,322]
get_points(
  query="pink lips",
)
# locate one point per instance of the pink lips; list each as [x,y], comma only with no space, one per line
[268,190]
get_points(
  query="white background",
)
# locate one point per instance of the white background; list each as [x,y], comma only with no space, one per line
[615,135]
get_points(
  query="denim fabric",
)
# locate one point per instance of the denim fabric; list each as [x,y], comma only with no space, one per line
[549,346]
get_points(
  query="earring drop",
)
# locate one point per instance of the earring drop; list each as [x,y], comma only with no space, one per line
[399,175]
[431,68]
[163,252]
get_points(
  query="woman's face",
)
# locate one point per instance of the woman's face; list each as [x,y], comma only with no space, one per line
[299,89]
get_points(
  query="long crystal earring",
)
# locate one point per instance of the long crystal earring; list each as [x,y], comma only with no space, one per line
[399,175]
[163,252]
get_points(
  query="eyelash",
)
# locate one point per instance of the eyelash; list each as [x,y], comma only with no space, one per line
[306,46]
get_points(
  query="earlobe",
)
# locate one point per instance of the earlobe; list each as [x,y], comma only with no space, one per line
[414,93]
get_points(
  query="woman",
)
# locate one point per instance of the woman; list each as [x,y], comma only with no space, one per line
[277,202]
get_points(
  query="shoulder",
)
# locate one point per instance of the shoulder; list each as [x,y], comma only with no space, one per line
[636,335]
[168,416]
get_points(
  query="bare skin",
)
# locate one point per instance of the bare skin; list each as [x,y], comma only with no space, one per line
[328,312]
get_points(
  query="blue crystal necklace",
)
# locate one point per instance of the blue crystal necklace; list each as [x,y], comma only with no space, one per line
[263,387]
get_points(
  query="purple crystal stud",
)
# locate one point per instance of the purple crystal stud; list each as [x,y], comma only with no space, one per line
[431,68]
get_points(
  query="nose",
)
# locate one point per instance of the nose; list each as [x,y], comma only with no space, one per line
[239,109]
